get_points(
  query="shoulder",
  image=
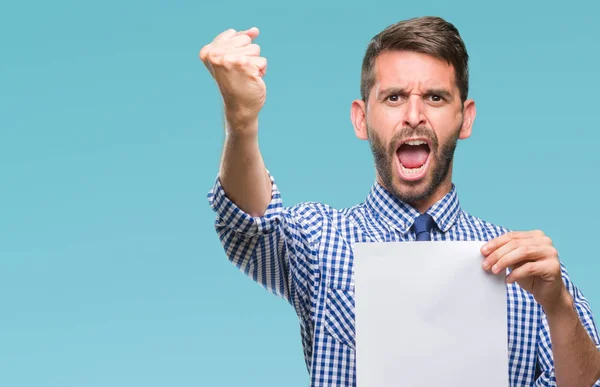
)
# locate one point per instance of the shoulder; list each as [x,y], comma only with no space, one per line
[490,230]
[312,208]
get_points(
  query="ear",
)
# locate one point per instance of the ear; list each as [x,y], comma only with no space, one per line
[358,115]
[469,113]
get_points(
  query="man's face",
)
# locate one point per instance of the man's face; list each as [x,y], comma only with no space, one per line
[413,120]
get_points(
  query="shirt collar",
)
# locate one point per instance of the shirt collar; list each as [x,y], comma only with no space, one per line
[401,215]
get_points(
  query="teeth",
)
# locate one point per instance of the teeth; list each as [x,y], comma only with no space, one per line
[416,142]
[412,171]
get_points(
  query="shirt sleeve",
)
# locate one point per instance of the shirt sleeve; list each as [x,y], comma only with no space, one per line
[544,347]
[277,249]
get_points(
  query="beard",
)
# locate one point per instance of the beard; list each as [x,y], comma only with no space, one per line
[441,156]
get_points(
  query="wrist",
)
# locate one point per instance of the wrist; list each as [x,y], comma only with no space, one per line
[239,121]
[561,305]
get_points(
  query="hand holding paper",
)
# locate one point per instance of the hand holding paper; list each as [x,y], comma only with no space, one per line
[533,262]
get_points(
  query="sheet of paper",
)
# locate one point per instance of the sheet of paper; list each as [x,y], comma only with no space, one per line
[427,314]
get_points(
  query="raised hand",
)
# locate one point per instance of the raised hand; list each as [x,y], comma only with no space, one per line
[237,67]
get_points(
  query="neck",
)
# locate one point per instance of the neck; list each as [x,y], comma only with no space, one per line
[423,205]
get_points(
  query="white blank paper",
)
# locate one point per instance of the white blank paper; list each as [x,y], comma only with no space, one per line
[428,314]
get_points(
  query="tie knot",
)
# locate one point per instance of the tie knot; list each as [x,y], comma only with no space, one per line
[423,226]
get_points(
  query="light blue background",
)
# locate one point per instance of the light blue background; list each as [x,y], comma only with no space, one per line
[110,137]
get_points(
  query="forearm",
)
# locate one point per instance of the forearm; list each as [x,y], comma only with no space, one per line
[576,358]
[243,173]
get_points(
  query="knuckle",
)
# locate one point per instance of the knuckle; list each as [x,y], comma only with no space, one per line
[260,63]
[231,60]
[539,233]
[204,52]
[241,60]
[245,39]
[529,269]
[228,60]
[214,55]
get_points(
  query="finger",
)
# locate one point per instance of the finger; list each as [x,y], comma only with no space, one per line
[225,35]
[264,69]
[209,53]
[204,52]
[495,243]
[547,270]
[204,57]
[252,32]
[253,65]
[522,254]
[249,50]
[236,41]
[504,249]
[260,64]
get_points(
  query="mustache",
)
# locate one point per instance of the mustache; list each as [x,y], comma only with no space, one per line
[419,131]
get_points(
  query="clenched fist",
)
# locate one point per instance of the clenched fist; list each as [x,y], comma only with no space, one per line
[237,67]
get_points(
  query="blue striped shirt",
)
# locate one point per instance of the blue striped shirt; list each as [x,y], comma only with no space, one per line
[303,253]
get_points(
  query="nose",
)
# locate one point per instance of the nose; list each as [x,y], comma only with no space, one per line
[414,115]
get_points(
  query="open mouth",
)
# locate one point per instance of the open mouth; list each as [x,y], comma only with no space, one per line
[413,159]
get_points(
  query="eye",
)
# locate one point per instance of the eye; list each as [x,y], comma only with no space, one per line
[436,98]
[394,98]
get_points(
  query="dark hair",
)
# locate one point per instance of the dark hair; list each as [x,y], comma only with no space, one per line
[429,35]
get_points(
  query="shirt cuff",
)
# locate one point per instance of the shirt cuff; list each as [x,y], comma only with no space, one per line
[231,216]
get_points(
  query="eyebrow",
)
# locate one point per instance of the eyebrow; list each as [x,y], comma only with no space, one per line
[445,93]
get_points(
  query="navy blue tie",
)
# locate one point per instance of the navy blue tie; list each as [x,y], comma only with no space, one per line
[423,225]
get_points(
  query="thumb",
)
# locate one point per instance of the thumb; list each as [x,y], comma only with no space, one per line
[252,32]
[260,65]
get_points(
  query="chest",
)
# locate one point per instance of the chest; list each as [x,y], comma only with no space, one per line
[336,305]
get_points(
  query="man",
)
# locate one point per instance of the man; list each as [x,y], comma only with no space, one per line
[414,108]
